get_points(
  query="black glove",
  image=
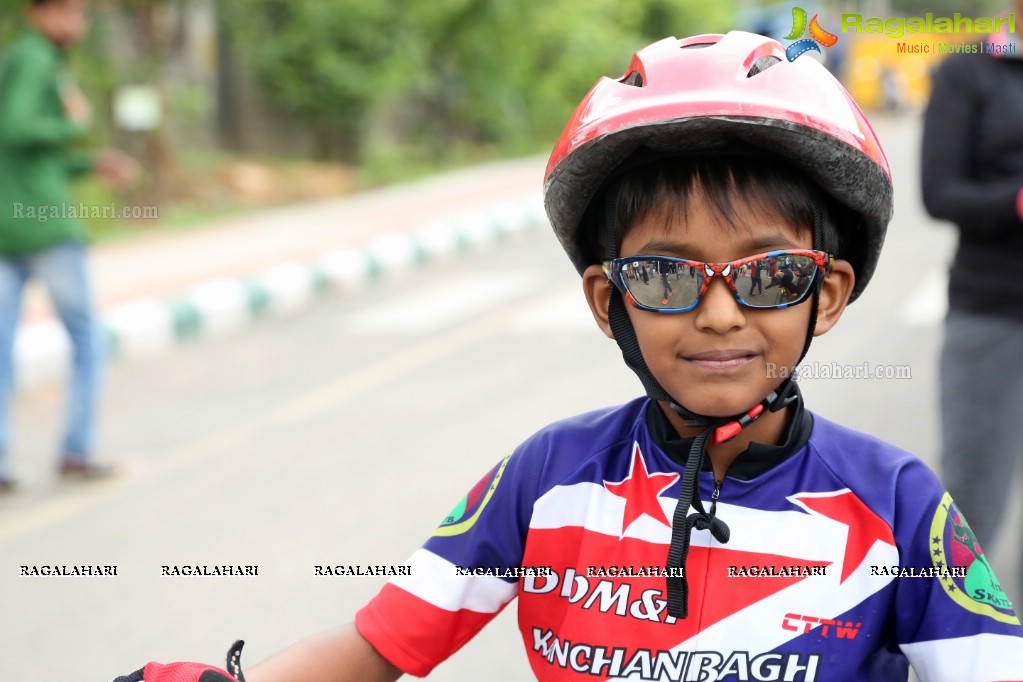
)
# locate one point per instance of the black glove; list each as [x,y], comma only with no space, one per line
[191,672]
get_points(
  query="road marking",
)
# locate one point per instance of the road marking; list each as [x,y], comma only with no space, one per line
[441,305]
[927,304]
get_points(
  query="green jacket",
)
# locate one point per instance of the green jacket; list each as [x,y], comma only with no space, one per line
[37,159]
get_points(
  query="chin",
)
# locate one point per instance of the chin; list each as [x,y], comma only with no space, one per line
[725,407]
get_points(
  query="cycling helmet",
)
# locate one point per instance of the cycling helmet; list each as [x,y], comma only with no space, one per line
[737,88]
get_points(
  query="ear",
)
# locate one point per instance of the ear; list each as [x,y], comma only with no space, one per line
[834,295]
[598,294]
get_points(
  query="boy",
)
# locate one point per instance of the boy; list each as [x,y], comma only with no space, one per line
[41,120]
[715,529]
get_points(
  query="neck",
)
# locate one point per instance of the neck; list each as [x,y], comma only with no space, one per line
[767,429]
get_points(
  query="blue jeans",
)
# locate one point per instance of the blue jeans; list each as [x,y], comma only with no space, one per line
[62,269]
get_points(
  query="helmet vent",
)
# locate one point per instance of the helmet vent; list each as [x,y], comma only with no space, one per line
[762,64]
[635,79]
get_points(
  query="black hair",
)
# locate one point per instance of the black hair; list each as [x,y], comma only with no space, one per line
[766,184]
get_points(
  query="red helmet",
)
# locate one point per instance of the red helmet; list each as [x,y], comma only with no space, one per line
[738,88]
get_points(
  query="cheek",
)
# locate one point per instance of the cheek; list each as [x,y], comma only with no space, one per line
[662,337]
[785,330]
[654,330]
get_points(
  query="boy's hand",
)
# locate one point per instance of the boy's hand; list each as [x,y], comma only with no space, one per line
[76,106]
[190,672]
[116,167]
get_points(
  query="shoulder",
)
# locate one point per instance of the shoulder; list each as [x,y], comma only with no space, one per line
[28,51]
[853,454]
[828,435]
[882,475]
[590,429]
[566,445]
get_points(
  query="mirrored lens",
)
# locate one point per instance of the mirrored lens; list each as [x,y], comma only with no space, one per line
[776,281]
[662,284]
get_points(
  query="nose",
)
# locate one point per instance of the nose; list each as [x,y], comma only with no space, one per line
[718,310]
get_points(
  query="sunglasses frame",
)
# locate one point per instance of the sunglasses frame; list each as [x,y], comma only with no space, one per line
[613,269]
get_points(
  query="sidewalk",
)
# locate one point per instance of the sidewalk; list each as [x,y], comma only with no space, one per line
[160,289]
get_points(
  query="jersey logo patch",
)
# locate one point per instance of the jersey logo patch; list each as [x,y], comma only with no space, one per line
[953,544]
[469,508]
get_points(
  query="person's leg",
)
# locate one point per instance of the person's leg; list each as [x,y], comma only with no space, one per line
[63,269]
[12,283]
[981,394]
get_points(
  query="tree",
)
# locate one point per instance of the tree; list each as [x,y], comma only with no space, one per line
[434,75]
[327,61]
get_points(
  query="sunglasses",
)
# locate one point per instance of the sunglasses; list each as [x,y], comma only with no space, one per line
[776,279]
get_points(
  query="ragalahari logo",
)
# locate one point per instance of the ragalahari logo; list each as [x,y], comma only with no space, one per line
[817,35]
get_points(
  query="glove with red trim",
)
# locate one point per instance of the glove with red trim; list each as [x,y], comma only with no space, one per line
[191,672]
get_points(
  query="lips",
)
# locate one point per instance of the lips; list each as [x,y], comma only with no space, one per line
[721,359]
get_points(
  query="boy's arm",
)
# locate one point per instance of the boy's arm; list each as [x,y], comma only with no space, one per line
[25,119]
[80,163]
[337,656]
[957,625]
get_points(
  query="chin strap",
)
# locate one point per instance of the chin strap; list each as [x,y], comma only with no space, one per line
[717,431]
[727,428]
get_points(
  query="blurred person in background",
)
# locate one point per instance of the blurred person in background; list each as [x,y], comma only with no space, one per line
[43,116]
[972,175]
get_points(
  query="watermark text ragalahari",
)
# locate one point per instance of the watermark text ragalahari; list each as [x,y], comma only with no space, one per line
[82,211]
[504,571]
[345,570]
[64,570]
[838,370]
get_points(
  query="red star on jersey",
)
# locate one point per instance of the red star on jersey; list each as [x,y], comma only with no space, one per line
[641,491]
[865,526]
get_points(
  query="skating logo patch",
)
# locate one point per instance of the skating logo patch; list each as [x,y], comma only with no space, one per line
[469,508]
[953,544]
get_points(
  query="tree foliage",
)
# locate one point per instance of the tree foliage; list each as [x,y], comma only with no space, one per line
[437,74]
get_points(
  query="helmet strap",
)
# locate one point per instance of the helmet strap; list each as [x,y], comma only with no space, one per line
[818,242]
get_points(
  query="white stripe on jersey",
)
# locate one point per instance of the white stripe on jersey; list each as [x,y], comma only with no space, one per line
[434,579]
[991,657]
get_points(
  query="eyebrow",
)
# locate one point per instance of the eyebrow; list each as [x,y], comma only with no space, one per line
[774,240]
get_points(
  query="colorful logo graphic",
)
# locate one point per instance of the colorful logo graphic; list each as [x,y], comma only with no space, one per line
[469,508]
[818,36]
[953,544]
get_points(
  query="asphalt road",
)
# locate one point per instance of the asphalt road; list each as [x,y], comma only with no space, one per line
[345,434]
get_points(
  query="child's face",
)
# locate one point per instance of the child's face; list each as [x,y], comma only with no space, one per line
[721,359]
